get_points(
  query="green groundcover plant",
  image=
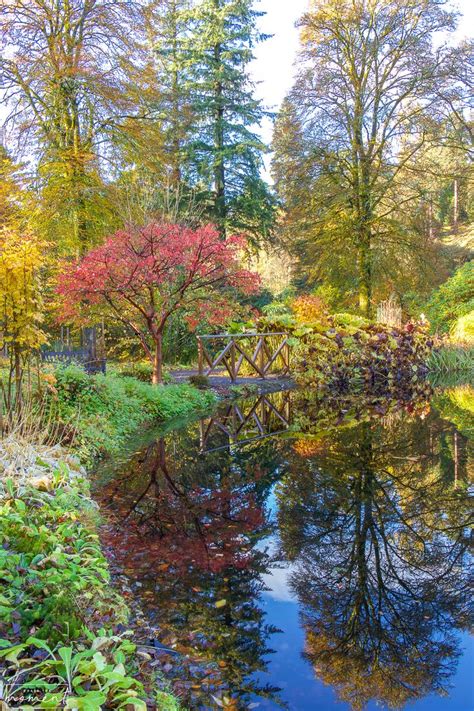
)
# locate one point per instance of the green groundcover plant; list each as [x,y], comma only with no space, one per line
[63,635]
[345,355]
[453,300]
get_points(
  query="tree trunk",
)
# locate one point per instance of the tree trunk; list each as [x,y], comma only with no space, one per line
[18,378]
[219,167]
[157,376]
[176,118]
[365,276]
[430,219]
[456,206]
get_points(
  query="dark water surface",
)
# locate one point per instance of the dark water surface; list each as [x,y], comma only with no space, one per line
[298,552]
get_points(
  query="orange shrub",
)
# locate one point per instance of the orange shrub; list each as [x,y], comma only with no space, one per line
[309,308]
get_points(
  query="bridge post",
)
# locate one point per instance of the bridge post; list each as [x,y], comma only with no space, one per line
[200,357]
[262,354]
[233,376]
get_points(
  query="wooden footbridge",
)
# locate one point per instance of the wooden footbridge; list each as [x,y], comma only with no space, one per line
[256,354]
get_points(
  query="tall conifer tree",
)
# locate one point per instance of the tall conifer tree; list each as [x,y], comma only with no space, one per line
[173,104]
[227,150]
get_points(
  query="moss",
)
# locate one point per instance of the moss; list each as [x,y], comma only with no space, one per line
[201,382]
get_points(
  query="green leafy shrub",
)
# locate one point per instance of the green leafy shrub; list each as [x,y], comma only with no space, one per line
[345,319]
[142,370]
[105,410]
[453,299]
[362,358]
[277,316]
[88,675]
[59,616]
[51,560]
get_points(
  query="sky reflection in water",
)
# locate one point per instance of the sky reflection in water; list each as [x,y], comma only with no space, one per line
[340,543]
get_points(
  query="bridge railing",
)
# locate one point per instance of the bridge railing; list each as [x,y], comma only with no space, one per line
[262,353]
[248,421]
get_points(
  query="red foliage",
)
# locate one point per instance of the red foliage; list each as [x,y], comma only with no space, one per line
[145,275]
[197,530]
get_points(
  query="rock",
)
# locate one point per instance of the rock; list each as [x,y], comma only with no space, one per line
[42,483]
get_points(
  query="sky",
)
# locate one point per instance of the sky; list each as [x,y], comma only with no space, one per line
[273,68]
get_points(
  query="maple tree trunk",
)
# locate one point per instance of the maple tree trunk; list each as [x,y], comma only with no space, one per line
[157,376]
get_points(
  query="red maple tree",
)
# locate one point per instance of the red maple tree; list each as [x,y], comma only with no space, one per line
[145,275]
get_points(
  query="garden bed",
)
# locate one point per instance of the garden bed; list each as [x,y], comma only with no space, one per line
[97,414]
[63,634]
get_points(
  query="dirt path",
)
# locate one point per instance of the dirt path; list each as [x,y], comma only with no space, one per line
[222,383]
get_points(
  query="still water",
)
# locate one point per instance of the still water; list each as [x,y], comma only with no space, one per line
[292,552]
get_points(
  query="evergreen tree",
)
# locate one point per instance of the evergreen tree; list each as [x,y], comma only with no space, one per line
[227,151]
[172,106]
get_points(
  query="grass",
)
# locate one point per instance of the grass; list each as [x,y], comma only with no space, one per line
[101,412]
[453,359]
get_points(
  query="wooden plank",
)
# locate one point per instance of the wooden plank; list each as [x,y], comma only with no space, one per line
[206,356]
[250,414]
[276,412]
[222,355]
[232,361]
[249,359]
[258,423]
[200,357]
[275,355]
[239,414]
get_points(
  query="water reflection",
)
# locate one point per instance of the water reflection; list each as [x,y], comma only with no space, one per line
[187,528]
[378,533]
[372,515]
[247,421]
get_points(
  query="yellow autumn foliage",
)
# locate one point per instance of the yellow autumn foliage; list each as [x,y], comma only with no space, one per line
[10,193]
[309,309]
[21,303]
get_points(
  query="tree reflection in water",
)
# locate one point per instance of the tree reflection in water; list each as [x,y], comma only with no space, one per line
[372,512]
[187,527]
[376,524]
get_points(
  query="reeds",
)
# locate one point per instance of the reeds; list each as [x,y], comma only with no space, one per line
[35,422]
[453,359]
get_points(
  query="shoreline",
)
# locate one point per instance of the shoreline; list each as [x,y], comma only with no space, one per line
[51,523]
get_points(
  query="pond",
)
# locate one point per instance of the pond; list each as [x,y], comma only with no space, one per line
[305,553]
